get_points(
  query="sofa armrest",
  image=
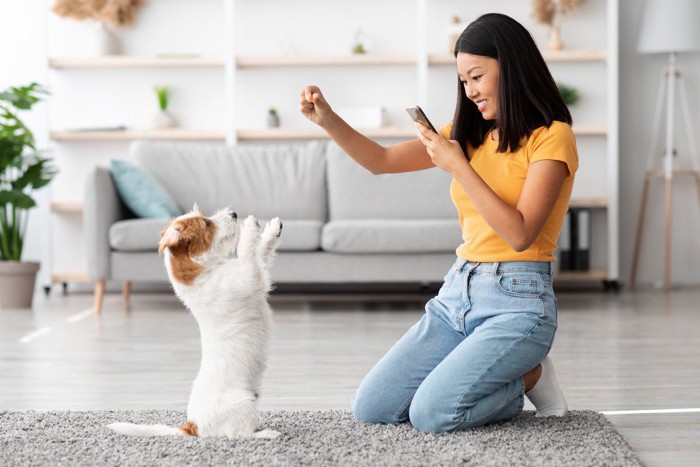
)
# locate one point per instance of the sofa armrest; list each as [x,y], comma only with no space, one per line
[103,207]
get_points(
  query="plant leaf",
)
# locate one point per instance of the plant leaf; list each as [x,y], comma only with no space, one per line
[36,175]
[16,198]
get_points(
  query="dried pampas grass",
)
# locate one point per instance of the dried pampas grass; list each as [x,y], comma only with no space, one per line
[115,13]
[545,11]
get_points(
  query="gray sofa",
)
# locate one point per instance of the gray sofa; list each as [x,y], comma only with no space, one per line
[342,225]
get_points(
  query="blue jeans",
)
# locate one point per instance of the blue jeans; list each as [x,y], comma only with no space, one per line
[461,365]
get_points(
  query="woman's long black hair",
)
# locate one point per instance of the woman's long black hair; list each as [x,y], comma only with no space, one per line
[528,97]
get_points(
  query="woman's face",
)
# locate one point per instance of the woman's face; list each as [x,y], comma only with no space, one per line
[479,76]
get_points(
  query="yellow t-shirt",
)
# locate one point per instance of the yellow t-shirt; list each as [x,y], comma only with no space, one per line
[505,174]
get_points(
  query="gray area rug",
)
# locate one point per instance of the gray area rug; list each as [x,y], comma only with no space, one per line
[323,438]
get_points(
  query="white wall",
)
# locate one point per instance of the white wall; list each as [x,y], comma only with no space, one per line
[198,102]
[23,60]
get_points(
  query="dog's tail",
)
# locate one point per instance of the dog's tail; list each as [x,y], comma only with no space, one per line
[132,429]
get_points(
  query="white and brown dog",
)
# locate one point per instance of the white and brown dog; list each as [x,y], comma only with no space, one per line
[228,297]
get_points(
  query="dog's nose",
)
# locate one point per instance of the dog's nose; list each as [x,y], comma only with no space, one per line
[234,215]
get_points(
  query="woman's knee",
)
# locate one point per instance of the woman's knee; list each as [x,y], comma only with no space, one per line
[435,413]
[372,409]
[432,419]
[429,415]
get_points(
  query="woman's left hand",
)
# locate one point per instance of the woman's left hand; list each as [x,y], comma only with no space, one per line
[446,154]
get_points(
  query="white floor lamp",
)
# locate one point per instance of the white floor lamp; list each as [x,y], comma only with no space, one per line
[668,27]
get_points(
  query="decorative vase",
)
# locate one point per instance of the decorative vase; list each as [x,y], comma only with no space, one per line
[273,119]
[164,119]
[17,284]
[454,30]
[106,41]
[555,42]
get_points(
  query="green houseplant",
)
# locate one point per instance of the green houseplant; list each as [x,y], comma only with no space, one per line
[570,94]
[163,119]
[22,170]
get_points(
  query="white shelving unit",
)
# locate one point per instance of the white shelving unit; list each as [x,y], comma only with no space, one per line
[419,66]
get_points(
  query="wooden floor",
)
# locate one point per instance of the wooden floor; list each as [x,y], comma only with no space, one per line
[631,352]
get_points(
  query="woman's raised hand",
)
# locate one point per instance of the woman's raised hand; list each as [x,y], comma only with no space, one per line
[314,106]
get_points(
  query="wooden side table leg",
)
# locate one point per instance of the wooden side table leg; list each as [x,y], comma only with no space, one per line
[99,295]
[667,261]
[126,290]
[640,230]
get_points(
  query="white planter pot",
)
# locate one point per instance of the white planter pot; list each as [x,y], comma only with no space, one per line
[17,284]
[164,119]
[105,41]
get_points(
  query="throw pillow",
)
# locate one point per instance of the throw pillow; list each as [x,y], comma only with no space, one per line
[141,192]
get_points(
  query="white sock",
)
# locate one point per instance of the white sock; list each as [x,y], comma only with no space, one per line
[546,396]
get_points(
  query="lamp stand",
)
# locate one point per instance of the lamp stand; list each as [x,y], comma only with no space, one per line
[667,86]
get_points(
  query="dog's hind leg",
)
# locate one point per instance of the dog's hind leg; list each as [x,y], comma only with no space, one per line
[269,241]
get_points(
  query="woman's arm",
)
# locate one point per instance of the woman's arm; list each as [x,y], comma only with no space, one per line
[403,157]
[519,226]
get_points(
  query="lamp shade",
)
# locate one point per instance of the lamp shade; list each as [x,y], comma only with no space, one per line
[670,26]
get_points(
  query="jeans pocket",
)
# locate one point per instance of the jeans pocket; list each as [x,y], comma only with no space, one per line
[521,284]
[450,290]
[449,277]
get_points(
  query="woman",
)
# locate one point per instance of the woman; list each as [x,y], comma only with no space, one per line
[482,344]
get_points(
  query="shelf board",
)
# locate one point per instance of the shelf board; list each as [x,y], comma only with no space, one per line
[590,130]
[599,203]
[257,134]
[267,61]
[67,207]
[165,134]
[124,61]
[592,275]
[575,56]
[324,60]
[563,56]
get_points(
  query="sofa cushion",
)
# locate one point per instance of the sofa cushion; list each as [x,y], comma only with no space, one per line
[285,180]
[141,192]
[391,236]
[355,193]
[144,234]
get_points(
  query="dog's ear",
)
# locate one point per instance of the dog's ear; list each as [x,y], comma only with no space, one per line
[170,237]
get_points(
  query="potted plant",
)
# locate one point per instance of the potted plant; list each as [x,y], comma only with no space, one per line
[548,12]
[22,170]
[570,94]
[273,118]
[163,119]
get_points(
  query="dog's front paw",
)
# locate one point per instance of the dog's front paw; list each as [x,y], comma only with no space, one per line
[274,227]
[250,237]
[251,223]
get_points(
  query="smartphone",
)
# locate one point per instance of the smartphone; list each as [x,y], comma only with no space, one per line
[418,115]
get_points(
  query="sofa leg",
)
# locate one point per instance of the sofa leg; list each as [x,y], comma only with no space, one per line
[99,295]
[126,290]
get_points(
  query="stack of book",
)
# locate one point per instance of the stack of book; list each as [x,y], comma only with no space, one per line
[575,240]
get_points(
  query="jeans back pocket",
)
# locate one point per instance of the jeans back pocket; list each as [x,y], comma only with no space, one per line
[521,284]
